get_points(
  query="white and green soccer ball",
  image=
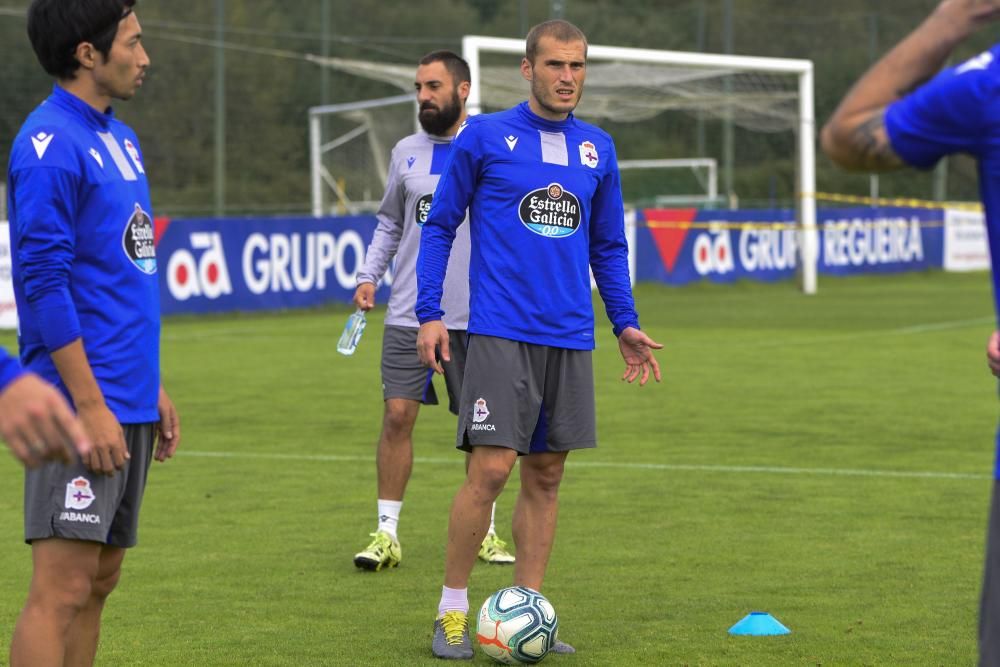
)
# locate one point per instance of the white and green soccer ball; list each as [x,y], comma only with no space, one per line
[517,625]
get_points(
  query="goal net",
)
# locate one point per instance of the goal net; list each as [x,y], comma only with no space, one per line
[349,147]
[691,129]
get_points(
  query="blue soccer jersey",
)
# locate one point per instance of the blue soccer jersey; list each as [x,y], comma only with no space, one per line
[10,370]
[544,203]
[958,112]
[83,257]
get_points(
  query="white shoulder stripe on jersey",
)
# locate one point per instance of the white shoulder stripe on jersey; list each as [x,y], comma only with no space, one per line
[554,148]
[118,156]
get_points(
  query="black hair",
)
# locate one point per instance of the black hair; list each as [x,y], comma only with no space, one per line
[57,27]
[454,63]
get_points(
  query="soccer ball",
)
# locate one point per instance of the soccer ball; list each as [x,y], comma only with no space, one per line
[517,625]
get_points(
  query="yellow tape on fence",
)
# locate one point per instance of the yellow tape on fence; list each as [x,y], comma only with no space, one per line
[896,201]
[874,202]
[720,225]
[717,225]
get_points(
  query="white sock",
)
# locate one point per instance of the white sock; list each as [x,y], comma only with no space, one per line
[454,599]
[493,526]
[388,516]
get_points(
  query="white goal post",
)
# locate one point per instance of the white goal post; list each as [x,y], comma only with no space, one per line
[364,127]
[473,46]
[710,182]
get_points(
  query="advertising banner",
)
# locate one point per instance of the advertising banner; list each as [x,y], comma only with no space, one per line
[965,244]
[215,265]
[679,246]
[236,264]
[880,240]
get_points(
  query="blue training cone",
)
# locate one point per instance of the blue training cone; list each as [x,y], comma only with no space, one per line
[759,623]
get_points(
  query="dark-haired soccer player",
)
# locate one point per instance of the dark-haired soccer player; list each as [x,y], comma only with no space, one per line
[442,86]
[894,117]
[544,200]
[88,304]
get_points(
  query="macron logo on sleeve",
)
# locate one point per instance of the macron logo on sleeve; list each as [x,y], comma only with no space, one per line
[41,142]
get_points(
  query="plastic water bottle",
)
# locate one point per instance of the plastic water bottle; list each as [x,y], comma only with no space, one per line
[349,340]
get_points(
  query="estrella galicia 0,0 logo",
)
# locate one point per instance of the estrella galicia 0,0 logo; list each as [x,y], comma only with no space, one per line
[553,211]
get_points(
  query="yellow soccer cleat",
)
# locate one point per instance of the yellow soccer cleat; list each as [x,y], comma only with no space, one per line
[384,551]
[494,550]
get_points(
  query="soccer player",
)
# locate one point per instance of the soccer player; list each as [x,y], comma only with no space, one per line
[442,84]
[35,421]
[87,296]
[544,200]
[903,113]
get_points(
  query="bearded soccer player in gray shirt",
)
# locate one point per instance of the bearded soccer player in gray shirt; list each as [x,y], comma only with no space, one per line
[442,85]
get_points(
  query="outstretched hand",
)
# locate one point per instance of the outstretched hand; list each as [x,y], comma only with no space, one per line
[637,351]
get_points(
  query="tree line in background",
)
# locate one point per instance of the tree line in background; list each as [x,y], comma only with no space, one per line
[269,85]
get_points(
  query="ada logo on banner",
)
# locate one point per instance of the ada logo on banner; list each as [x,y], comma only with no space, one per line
[713,253]
[757,250]
[206,276]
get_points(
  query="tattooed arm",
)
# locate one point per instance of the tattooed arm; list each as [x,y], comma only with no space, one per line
[855,136]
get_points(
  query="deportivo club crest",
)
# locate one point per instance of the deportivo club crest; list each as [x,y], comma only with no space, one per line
[480,412]
[133,153]
[588,154]
[551,211]
[79,495]
[137,241]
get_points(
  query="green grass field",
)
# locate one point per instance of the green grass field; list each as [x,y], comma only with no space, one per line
[826,459]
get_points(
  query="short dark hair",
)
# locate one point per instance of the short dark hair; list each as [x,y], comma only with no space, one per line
[454,63]
[562,31]
[57,27]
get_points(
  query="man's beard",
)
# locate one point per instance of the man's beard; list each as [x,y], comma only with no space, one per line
[438,121]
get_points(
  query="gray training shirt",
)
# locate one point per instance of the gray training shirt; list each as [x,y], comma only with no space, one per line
[416,165]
